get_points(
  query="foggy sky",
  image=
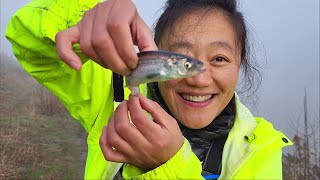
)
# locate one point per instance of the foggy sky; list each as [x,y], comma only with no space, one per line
[286,43]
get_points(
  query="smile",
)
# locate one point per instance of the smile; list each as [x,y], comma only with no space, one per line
[202,98]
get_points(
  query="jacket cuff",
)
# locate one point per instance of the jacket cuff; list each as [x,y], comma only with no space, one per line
[183,165]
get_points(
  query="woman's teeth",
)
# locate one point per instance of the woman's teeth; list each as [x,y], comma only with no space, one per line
[196,98]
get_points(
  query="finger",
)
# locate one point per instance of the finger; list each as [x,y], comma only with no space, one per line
[102,41]
[119,29]
[85,36]
[108,152]
[64,41]
[126,130]
[144,36]
[156,111]
[144,124]
[116,141]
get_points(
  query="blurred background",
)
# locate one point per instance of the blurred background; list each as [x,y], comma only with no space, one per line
[38,139]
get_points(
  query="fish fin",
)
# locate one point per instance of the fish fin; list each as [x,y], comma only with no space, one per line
[150,76]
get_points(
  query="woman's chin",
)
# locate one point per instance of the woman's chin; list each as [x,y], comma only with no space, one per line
[197,122]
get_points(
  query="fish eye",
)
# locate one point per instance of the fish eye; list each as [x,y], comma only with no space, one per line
[187,65]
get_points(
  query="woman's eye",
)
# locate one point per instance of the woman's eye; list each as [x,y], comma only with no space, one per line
[220,59]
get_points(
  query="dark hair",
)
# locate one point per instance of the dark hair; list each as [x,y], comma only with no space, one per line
[175,9]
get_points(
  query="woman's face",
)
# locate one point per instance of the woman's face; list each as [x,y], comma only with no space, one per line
[197,100]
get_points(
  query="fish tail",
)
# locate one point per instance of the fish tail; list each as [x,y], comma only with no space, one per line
[134,90]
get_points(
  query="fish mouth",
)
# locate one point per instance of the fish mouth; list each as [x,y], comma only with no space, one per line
[195,72]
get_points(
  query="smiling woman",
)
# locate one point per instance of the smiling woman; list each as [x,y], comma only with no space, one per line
[197,127]
[211,40]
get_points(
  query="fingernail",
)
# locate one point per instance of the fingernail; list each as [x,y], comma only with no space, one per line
[75,65]
[127,73]
[142,96]
[148,100]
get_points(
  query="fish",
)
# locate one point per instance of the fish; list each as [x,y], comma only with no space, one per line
[156,66]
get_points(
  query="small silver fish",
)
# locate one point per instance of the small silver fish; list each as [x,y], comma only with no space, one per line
[162,66]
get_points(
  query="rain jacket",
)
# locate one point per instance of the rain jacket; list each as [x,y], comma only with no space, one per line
[252,150]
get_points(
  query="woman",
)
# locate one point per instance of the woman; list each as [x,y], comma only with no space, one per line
[200,128]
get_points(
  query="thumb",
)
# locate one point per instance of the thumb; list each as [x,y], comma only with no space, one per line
[157,112]
[64,41]
[144,37]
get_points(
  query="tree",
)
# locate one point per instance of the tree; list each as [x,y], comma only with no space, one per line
[304,161]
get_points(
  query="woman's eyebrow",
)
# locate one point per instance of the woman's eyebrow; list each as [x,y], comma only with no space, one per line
[181,44]
[188,45]
[221,44]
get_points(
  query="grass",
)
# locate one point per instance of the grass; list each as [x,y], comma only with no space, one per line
[35,144]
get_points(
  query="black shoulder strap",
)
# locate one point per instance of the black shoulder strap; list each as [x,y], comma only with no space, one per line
[117,83]
[212,162]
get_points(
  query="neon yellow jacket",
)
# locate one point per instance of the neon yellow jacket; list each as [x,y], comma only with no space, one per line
[88,96]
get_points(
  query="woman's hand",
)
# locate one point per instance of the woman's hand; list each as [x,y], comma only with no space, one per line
[146,144]
[107,34]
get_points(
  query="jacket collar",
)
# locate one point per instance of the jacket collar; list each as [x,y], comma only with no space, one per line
[248,135]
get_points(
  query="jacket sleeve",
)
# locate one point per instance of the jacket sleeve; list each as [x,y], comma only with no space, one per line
[32,33]
[183,165]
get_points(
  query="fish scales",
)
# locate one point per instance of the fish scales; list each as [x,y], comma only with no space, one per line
[150,70]
[154,66]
